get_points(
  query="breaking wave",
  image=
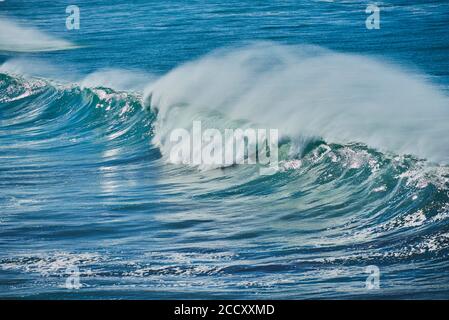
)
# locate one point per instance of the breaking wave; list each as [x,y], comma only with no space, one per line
[362,178]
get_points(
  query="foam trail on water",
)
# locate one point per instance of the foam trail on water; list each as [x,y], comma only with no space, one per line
[17,38]
[308,91]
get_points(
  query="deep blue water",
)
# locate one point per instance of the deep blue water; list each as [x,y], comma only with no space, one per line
[84,180]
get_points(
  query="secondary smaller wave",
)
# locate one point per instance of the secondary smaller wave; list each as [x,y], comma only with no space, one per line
[129,80]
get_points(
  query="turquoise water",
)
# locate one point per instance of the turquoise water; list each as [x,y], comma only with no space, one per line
[84,178]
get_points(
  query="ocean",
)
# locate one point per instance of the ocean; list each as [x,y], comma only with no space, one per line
[92,208]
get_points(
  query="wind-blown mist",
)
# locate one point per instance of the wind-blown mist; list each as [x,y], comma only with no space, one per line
[310,92]
[84,140]
[17,38]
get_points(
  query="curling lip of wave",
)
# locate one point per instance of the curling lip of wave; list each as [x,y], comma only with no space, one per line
[17,38]
[130,80]
[308,91]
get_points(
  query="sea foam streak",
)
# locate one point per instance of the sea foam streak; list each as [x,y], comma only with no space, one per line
[308,92]
[17,38]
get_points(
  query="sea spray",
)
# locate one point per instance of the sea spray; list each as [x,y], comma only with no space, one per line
[308,92]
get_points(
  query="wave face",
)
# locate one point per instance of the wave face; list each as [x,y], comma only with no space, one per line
[83,169]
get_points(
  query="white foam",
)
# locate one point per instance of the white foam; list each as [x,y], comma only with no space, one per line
[309,91]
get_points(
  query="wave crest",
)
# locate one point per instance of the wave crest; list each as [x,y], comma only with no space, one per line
[309,91]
